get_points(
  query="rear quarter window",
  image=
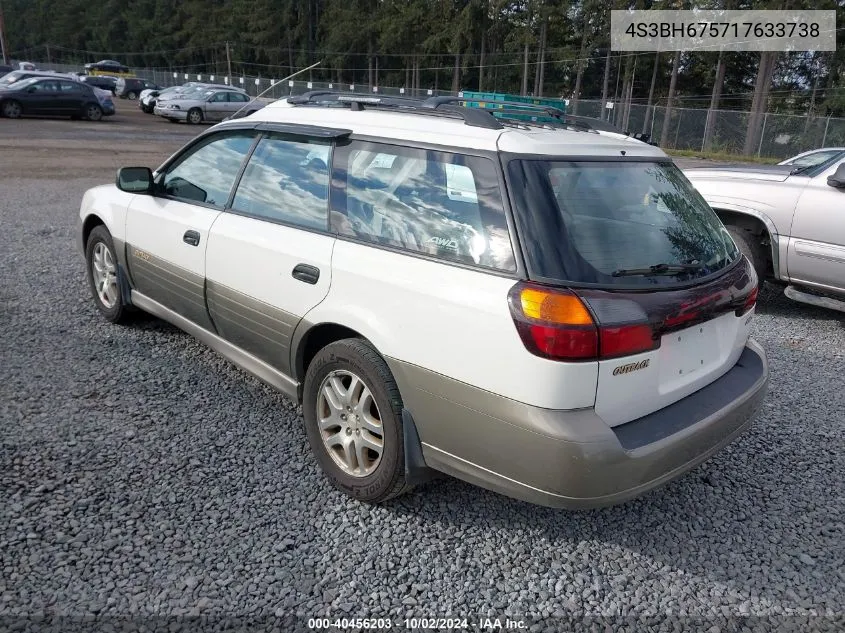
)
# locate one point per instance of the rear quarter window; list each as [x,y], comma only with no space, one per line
[445,205]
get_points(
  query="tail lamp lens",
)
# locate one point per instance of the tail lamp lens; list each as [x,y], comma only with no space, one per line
[558,324]
[751,300]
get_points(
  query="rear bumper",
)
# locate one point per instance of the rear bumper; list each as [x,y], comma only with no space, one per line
[573,459]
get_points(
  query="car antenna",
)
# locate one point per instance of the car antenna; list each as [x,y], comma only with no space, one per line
[273,85]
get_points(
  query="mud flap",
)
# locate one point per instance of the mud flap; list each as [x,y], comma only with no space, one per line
[416,470]
[123,284]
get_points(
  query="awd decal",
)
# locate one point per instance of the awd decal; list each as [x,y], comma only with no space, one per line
[141,255]
[444,242]
[627,369]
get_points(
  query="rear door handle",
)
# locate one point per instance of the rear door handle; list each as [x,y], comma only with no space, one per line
[306,273]
[192,238]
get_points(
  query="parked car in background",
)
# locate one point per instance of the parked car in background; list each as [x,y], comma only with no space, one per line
[106,100]
[172,91]
[788,221]
[18,75]
[206,105]
[148,99]
[131,87]
[550,312]
[814,157]
[53,97]
[107,67]
[101,81]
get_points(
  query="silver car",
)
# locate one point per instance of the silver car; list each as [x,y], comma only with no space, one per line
[206,105]
[788,221]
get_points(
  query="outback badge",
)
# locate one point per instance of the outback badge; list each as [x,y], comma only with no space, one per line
[627,369]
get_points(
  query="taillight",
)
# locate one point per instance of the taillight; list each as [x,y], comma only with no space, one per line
[750,301]
[559,325]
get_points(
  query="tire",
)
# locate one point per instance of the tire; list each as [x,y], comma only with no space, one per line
[100,255]
[12,109]
[371,479]
[749,246]
[93,112]
[194,116]
[131,95]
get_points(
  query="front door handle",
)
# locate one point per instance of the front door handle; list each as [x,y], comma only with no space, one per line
[306,273]
[192,238]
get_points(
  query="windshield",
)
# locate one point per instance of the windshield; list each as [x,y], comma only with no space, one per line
[632,224]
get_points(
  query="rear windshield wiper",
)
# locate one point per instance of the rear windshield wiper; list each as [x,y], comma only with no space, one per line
[657,269]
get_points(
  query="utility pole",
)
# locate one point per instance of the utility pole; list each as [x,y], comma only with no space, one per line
[3,49]
[229,63]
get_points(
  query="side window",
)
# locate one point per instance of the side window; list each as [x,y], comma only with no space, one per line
[288,181]
[237,97]
[437,203]
[67,86]
[45,86]
[207,172]
[219,97]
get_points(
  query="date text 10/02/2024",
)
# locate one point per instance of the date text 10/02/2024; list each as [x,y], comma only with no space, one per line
[434,624]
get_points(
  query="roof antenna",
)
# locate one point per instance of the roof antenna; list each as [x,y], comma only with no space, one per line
[273,85]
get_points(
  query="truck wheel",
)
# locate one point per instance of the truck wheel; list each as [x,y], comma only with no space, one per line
[749,245]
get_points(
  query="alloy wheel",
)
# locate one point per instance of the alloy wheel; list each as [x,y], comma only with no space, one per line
[104,273]
[12,109]
[350,423]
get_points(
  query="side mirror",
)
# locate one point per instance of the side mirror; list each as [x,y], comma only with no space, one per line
[135,179]
[838,178]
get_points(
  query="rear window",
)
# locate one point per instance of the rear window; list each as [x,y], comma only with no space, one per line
[633,224]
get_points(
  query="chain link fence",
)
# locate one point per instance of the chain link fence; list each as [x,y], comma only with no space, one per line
[700,130]
[724,131]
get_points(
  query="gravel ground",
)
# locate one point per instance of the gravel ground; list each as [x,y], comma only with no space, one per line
[143,475]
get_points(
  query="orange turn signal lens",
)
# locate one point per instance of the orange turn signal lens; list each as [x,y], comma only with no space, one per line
[554,307]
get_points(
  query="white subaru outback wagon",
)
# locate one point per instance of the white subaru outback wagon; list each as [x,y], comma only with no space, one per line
[540,307]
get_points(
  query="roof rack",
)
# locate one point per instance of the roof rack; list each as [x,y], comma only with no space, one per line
[473,117]
[489,118]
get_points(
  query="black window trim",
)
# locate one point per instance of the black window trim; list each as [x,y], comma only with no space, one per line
[203,139]
[298,137]
[519,268]
[508,157]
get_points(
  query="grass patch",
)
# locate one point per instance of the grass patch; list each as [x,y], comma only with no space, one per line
[723,156]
